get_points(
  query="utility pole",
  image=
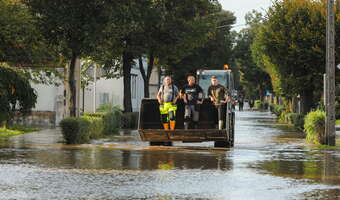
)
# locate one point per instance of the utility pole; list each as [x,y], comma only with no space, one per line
[330,74]
[77,75]
[94,86]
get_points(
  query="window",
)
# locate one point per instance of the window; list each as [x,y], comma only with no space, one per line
[104,98]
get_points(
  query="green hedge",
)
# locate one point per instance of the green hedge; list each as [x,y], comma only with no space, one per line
[261,105]
[112,122]
[130,120]
[315,126]
[75,130]
[295,119]
[337,110]
[96,126]
[298,120]
[96,114]
[276,109]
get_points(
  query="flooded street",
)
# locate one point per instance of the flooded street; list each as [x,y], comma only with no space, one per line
[269,161]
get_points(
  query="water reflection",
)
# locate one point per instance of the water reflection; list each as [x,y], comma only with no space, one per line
[269,161]
[319,165]
[97,158]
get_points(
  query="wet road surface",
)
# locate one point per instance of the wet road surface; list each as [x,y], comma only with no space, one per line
[269,161]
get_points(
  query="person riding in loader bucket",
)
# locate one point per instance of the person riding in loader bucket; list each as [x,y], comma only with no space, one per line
[167,97]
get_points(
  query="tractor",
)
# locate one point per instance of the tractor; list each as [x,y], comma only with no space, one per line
[150,127]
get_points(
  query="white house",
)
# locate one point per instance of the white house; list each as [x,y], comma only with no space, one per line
[111,91]
[107,91]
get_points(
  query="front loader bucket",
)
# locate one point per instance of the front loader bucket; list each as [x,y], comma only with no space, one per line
[150,126]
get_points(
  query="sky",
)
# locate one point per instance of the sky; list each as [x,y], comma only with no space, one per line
[241,7]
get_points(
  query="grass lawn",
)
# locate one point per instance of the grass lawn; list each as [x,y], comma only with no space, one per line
[8,132]
[337,121]
[16,130]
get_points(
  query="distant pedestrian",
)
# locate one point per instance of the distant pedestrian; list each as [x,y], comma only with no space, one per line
[240,101]
[251,103]
[240,104]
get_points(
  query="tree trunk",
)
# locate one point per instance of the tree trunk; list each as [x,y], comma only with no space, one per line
[295,104]
[306,100]
[146,77]
[83,99]
[3,124]
[289,104]
[261,93]
[127,62]
[72,85]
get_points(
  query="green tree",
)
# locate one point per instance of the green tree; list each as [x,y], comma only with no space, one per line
[292,40]
[162,30]
[21,44]
[253,78]
[213,52]
[16,94]
[76,27]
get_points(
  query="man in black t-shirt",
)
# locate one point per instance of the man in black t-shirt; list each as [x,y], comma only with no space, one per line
[193,97]
[219,96]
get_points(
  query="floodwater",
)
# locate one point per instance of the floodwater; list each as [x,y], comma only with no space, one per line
[269,161]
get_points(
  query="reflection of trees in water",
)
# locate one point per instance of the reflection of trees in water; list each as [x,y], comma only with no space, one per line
[94,158]
[184,160]
[330,194]
[319,165]
[79,158]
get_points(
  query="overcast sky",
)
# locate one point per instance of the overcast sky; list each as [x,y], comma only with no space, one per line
[241,7]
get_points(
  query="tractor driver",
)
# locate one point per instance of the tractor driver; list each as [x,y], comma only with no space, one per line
[167,97]
[218,95]
[193,97]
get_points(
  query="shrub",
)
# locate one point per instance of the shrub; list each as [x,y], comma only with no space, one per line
[261,105]
[7,132]
[112,122]
[277,109]
[130,120]
[75,130]
[297,120]
[284,117]
[265,105]
[111,119]
[104,108]
[315,126]
[96,126]
[257,104]
[96,114]
[337,110]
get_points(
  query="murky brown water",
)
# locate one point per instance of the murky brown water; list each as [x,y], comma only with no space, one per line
[269,161]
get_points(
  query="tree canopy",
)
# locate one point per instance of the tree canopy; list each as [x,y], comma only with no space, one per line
[214,52]
[291,46]
[21,43]
[254,79]
[75,27]
[16,94]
